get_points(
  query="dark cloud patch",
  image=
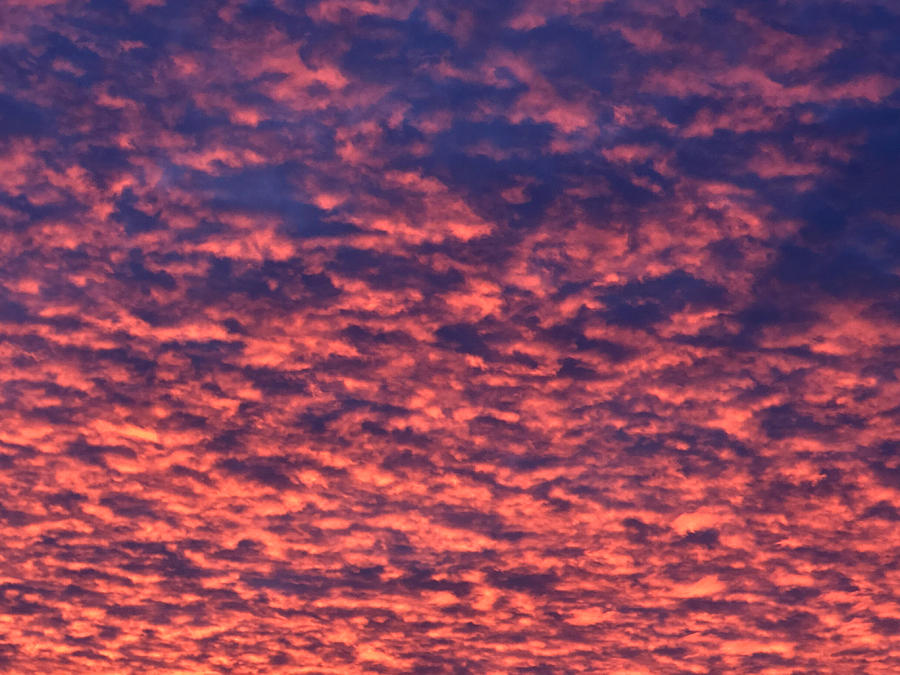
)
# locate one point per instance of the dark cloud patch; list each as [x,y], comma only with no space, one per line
[536,584]
[270,472]
[463,338]
[577,370]
[844,273]
[275,382]
[571,336]
[786,312]
[196,122]
[129,506]
[21,118]
[707,538]
[13,312]
[883,511]
[269,190]
[320,285]
[676,291]
[103,162]
[97,454]
[362,337]
[786,421]
[888,626]
[569,55]
[133,219]
[137,272]
[640,315]
[725,153]
[391,272]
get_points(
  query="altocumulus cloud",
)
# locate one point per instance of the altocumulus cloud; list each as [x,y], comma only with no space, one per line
[359,336]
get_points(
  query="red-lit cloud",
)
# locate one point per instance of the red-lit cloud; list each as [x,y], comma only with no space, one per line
[354,336]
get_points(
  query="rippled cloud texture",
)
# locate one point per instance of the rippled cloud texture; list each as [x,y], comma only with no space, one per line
[361,336]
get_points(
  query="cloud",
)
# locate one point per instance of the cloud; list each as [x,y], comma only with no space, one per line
[428,336]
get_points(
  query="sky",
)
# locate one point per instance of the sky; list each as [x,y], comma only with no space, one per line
[450,336]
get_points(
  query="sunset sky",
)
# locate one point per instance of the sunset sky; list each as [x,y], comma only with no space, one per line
[450,336]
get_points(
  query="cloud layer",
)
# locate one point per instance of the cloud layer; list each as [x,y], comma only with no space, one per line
[360,336]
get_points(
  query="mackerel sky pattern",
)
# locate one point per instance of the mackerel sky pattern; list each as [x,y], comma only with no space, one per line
[450,336]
